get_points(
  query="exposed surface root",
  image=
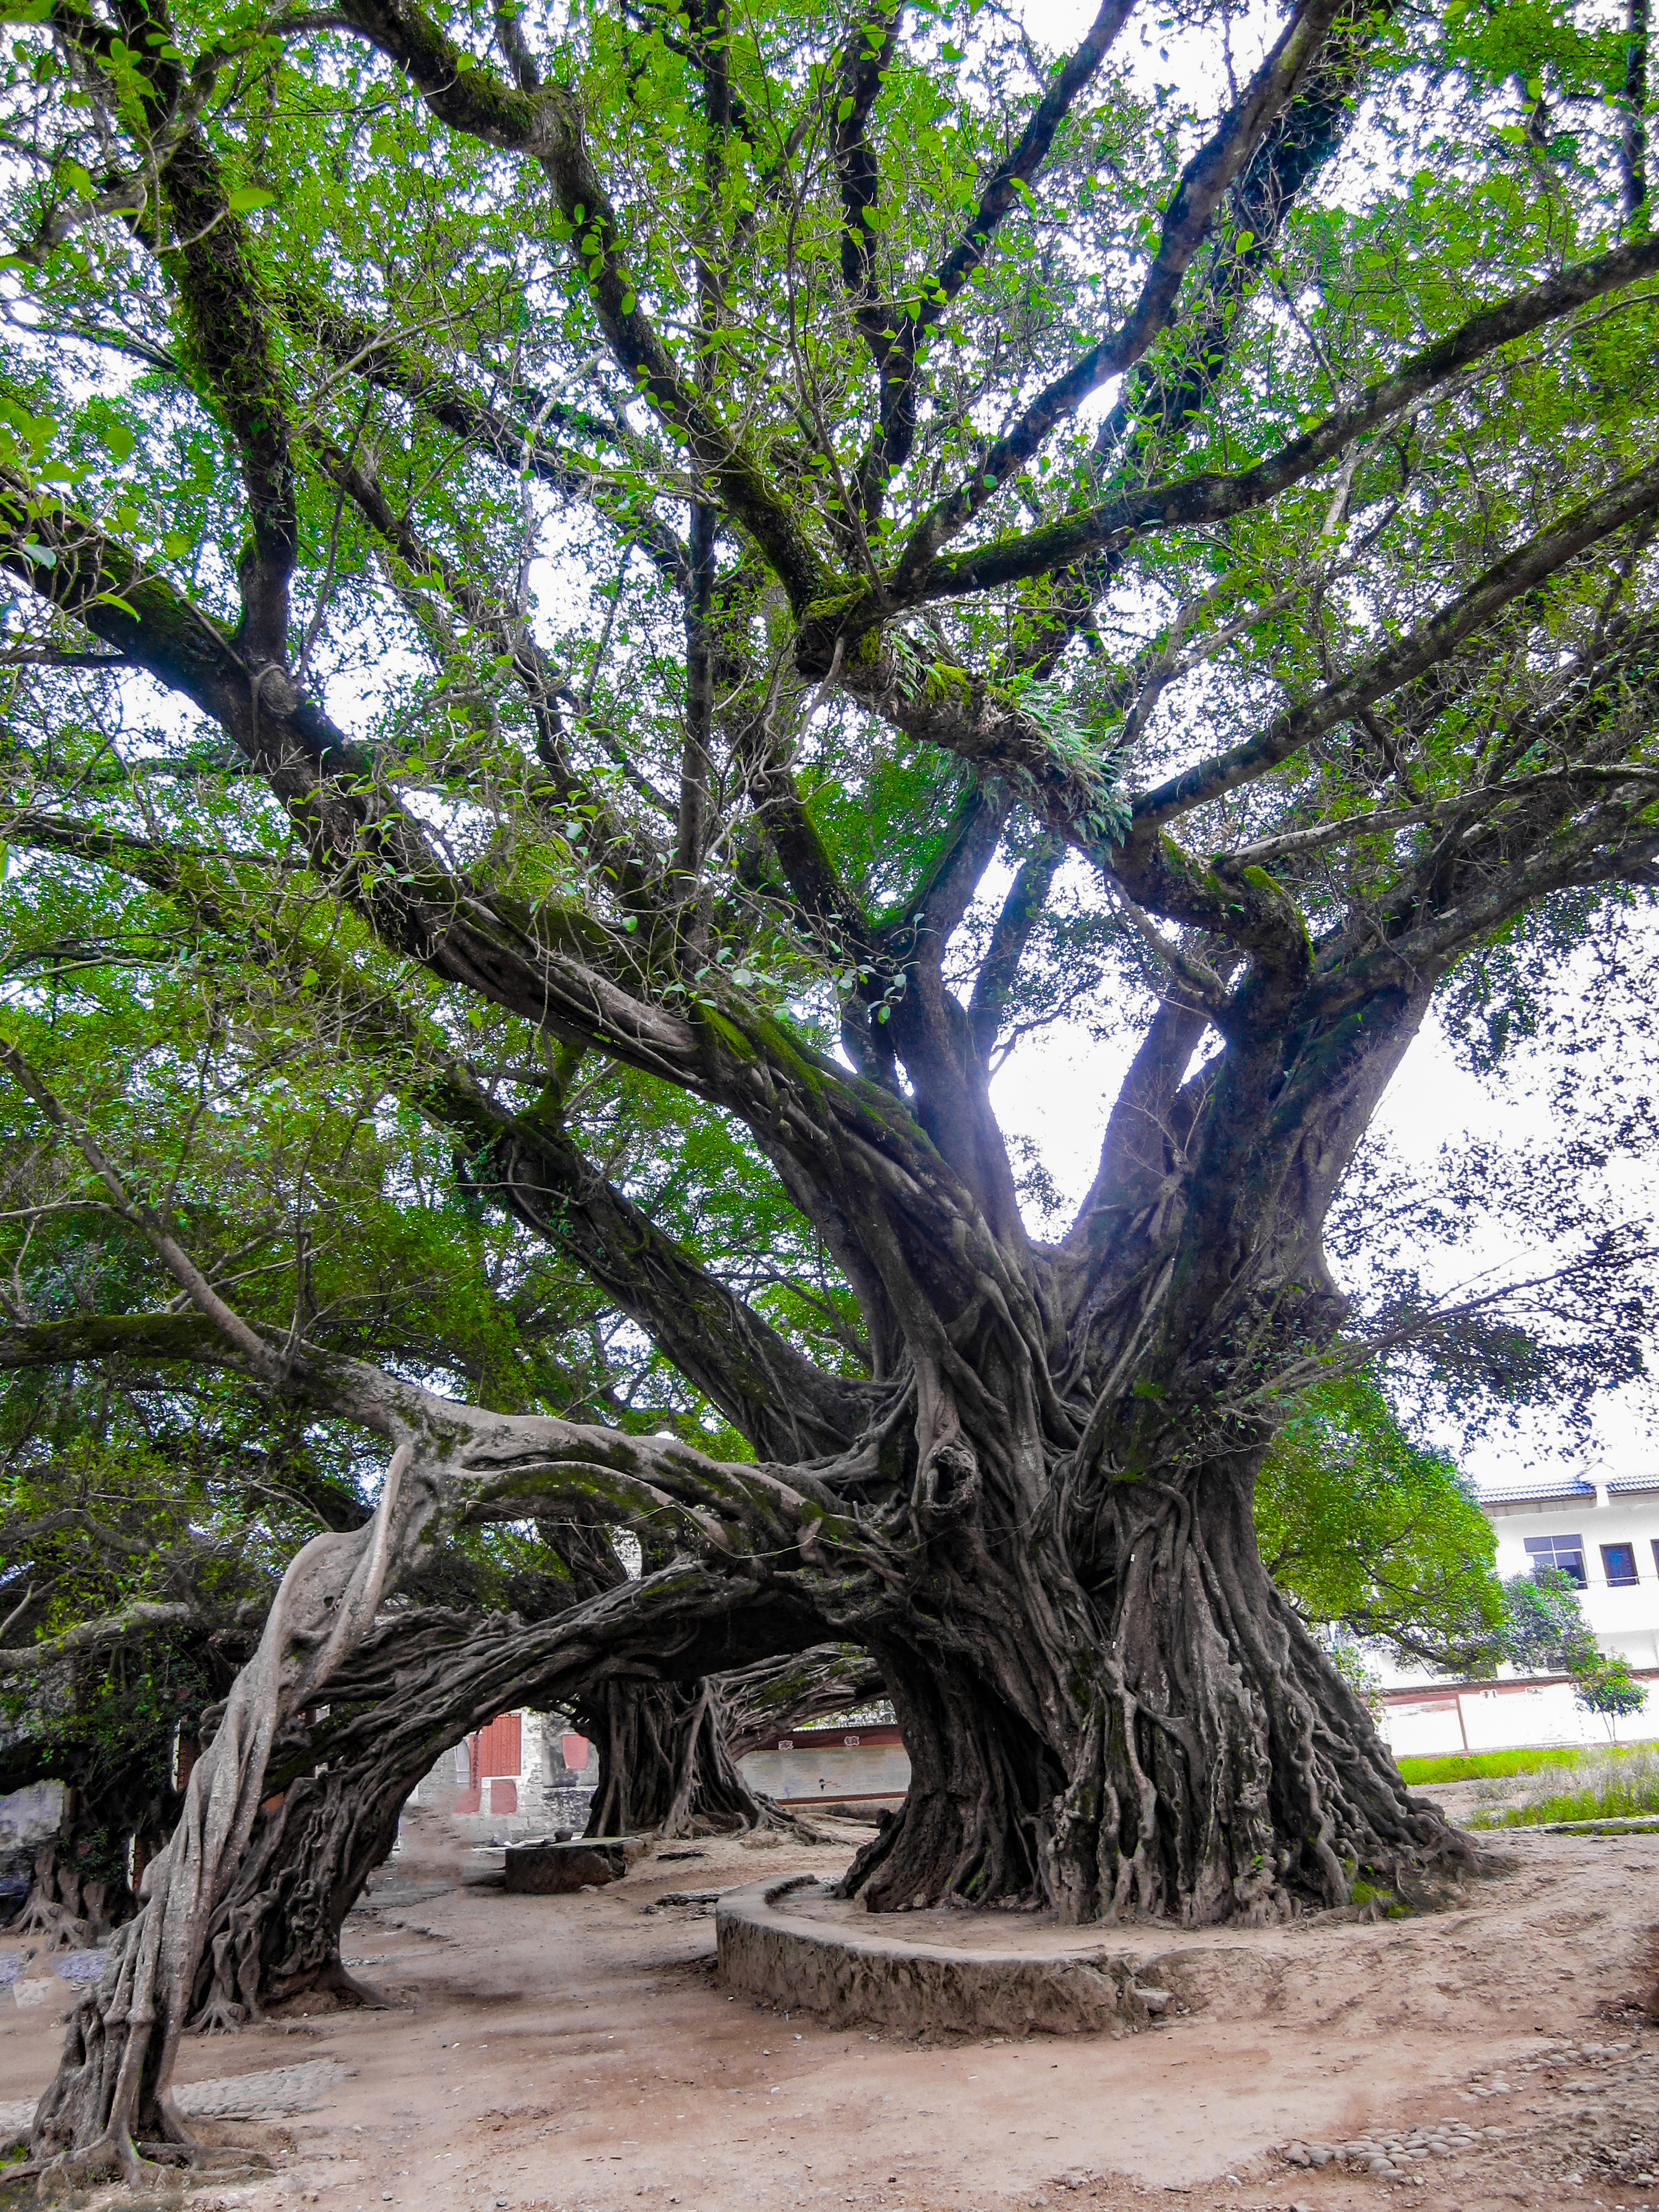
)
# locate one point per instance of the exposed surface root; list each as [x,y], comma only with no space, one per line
[343,1984]
[220,2015]
[1190,1757]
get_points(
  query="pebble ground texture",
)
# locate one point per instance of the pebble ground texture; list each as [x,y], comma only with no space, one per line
[577,2054]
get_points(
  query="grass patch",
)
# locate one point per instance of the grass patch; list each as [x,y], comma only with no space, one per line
[1492,1765]
[1608,1785]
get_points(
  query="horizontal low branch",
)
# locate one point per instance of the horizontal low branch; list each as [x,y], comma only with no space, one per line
[124,1627]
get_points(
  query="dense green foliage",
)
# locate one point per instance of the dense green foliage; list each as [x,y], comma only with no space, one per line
[610,610]
[1368,1530]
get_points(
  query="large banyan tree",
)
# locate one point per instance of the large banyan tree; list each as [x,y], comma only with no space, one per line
[756,557]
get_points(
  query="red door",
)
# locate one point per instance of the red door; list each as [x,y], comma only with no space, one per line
[498,1748]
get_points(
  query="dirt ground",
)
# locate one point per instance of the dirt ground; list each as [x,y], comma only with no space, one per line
[577,2054]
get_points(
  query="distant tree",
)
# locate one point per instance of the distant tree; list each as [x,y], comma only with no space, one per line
[1607,1687]
[1545,1631]
[1367,1531]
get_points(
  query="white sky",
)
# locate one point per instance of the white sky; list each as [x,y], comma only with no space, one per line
[1057,1088]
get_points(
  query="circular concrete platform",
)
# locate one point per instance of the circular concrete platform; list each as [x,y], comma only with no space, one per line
[793,1944]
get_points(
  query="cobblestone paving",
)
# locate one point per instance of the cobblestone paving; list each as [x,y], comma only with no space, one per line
[269,2096]
[1595,2130]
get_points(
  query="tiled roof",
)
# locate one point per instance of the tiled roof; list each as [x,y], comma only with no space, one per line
[1539,1491]
[1648,1481]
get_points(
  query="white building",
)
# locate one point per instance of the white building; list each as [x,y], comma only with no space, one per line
[1603,1532]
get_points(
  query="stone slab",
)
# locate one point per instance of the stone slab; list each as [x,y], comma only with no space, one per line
[771,1947]
[553,1869]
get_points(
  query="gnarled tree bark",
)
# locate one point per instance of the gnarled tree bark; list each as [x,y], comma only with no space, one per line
[114,2083]
[422,1681]
[1023,1480]
[665,1766]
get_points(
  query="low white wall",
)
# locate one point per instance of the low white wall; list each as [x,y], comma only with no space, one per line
[1505,1717]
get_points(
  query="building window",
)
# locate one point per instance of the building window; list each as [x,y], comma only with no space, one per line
[1566,1552]
[1620,1562]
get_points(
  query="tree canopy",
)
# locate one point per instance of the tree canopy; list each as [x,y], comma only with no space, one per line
[646,592]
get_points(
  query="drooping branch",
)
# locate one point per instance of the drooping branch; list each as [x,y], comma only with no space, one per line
[117,2074]
[422,1680]
[774,1696]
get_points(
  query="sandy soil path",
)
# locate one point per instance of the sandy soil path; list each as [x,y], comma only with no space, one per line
[579,2055]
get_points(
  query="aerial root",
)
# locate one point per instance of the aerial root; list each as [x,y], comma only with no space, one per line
[220,2015]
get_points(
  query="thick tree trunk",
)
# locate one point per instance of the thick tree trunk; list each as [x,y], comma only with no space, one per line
[423,1682]
[276,1935]
[665,1764]
[1172,1742]
[113,2083]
